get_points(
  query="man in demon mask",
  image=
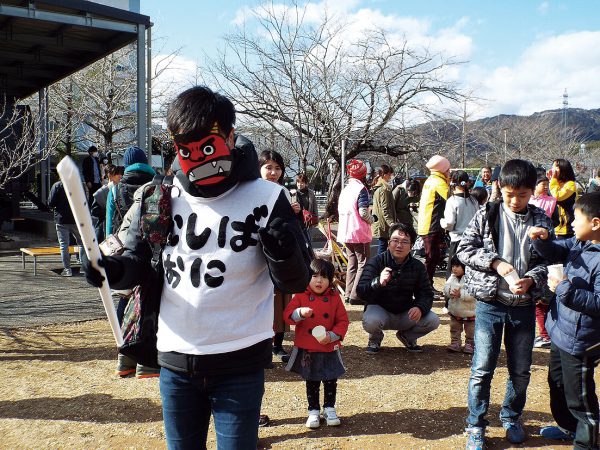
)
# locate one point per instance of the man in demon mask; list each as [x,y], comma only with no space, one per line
[234,237]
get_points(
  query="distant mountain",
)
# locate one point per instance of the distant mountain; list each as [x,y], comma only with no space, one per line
[585,122]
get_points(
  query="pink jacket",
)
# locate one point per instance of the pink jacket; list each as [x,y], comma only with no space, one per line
[352,228]
[546,202]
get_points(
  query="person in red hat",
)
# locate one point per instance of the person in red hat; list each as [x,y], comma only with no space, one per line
[354,227]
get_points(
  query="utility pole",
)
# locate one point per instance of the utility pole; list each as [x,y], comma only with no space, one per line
[565,106]
[505,130]
[463,143]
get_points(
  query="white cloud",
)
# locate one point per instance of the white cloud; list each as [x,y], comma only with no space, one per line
[175,73]
[538,78]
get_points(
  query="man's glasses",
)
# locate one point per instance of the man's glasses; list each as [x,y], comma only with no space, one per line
[396,242]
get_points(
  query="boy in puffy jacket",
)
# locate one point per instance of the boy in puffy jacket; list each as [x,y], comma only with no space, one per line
[505,275]
[573,323]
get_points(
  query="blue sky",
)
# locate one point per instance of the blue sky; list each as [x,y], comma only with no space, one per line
[521,54]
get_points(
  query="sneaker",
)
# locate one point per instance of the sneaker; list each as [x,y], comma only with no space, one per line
[454,347]
[146,372]
[475,438]
[556,433]
[125,366]
[541,342]
[264,421]
[330,416]
[411,346]
[468,349]
[373,347]
[281,354]
[66,273]
[314,419]
[515,434]
[356,301]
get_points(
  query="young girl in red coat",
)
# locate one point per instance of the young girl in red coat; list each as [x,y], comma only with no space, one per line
[321,324]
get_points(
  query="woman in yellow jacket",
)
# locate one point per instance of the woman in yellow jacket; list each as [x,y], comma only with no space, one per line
[431,210]
[563,188]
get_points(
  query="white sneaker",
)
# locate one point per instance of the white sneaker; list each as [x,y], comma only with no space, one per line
[66,273]
[331,417]
[314,419]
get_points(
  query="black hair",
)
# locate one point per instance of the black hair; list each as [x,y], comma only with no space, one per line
[460,178]
[566,172]
[589,205]
[272,155]
[194,112]
[518,173]
[480,194]
[406,229]
[302,177]
[414,186]
[322,267]
[541,175]
[454,261]
[384,170]
[92,148]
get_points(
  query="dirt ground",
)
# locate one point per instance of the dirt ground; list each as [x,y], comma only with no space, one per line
[58,391]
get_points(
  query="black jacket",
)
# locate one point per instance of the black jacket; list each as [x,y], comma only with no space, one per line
[87,168]
[409,287]
[57,200]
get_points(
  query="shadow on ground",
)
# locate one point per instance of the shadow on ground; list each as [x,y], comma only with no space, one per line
[100,408]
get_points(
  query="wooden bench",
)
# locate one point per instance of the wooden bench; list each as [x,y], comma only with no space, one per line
[43,251]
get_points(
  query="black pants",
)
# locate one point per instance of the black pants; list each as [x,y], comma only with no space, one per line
[573,399]
[329,393]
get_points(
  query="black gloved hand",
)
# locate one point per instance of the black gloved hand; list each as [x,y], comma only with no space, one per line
[277,239]
[92,275]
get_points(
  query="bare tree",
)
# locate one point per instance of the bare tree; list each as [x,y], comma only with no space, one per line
[539,138]
[312,88]
[22,141]
[100,100]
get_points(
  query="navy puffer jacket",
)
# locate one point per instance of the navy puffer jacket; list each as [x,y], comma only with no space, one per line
[573,321]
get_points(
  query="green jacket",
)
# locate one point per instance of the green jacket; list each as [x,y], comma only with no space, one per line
[402,205]
[383,210]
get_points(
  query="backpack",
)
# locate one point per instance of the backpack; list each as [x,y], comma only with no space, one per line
[140,320]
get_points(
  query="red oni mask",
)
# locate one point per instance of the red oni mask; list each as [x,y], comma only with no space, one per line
[206,161]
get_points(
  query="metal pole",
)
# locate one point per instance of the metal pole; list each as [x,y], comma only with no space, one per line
[141,89]
[149,101]
[44,189]
[343,163]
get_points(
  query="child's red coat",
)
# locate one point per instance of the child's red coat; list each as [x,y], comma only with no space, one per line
[328,310]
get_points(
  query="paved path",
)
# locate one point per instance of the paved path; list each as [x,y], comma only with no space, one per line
[47,298]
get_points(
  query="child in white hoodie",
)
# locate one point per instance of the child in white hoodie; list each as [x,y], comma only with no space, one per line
[461,309]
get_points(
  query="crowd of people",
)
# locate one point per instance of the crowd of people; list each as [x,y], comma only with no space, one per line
[239,271]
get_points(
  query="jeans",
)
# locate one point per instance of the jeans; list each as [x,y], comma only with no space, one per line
[376,319]
[233,400]
[63,232]
[382,245]
[573,399]
[518,325]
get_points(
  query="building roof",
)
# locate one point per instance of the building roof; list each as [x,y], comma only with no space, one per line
[43,41]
